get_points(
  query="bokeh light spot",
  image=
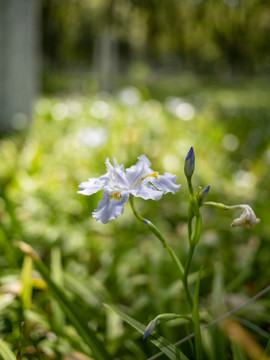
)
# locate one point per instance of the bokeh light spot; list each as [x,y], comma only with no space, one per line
[245,179]
[59,111]
[180,108]
[130,96]
[93,137]
[74,109]
[171,163]
[230,142]
[185,111]
[43,107]
[100,109]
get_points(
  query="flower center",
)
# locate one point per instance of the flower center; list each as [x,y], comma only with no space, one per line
[116,195]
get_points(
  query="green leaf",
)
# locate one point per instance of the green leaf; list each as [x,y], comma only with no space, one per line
[218,309]
[196,319]
[26,277]
[5,352]
[267,349]
[208,344]
[58,319]
[171,351]
[78,319]
[75,316]
[91,291]
[251,326]
[237,352]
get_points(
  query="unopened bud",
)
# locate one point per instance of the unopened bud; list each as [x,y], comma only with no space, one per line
[150,327]
[204,193]
[189,163]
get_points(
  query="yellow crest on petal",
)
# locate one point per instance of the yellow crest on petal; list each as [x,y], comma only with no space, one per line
[116,195]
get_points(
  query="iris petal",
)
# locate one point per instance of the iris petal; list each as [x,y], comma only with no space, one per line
[93,185]
[117,173]
[166,183]
[110,207]
[146,191]
[138,171]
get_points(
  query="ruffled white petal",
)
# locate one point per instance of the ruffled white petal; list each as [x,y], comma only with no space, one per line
[166,183]
[117,174]
[93,185]
[146,191]
[145,160]
[110,208]
[137,172]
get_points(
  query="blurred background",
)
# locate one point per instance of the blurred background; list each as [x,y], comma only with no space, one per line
[83,80]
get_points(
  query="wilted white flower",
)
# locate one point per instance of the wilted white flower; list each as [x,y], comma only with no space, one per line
[138,180]
[247,219]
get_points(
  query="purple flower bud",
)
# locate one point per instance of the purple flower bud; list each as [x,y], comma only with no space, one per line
[189,163]
[150,327]
[146,221]
[205,192]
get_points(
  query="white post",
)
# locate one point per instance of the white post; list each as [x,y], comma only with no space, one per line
[106,61]
[19,32]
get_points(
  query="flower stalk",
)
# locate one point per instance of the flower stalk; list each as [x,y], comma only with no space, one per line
[158,235]
[193,237]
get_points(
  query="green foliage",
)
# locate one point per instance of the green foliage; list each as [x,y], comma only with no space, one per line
[196,319]
[168,349]
[76,317]
[201,35]
[122,263]
[5,352]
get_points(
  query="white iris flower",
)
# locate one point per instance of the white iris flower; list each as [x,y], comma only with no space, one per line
[117,184]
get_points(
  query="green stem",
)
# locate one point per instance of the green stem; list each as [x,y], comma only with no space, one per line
[158,234]
[186,271]
[190,187]
[217,205]
[189,221]
[193,237]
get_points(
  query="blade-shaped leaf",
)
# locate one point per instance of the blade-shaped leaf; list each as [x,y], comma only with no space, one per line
[78,319]
[27,283]
[171,351]
[237,351]
[58,320]
[5,352]
[196,319]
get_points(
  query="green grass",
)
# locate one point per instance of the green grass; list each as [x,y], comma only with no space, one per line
[121,263]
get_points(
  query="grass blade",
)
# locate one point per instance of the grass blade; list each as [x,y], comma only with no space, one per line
[237,352]
[171,351]
[218,308]
[196,319]
[237,333]
[5,352]
[74,315]
[26,277]
[57,274]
